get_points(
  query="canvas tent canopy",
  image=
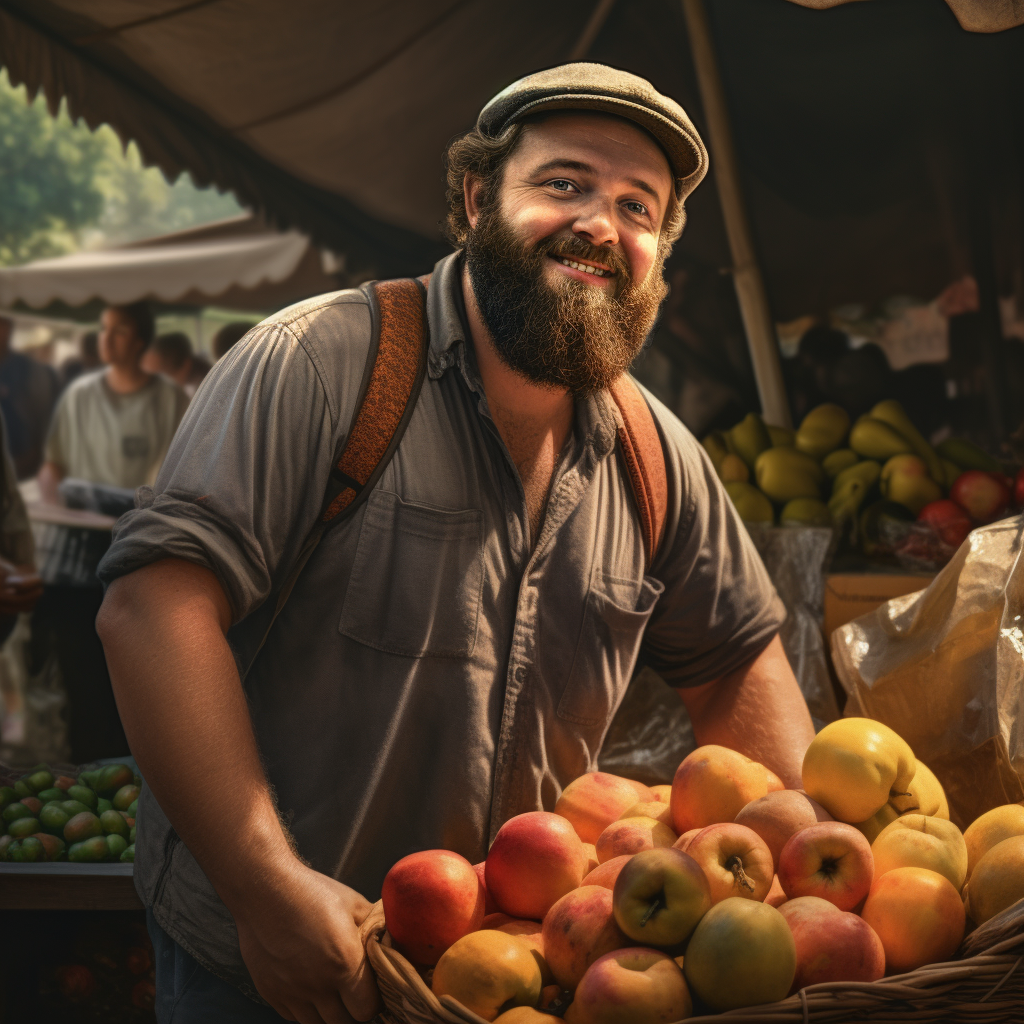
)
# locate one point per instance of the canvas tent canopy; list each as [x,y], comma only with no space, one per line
[333,118]
[237,263]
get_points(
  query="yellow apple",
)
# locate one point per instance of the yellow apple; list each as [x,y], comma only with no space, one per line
[920,841]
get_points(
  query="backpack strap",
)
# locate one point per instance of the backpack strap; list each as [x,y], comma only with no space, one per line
[396,364]
[644,457]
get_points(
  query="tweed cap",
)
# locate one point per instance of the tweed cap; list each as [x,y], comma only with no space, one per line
[598,87]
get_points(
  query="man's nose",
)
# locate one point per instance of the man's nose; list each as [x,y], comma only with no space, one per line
[596,223]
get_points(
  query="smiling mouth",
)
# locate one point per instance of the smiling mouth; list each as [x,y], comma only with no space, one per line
[583,267]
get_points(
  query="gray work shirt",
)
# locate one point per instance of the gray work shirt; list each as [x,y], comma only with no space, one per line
[432,673]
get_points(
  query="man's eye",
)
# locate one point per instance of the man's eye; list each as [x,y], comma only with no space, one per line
[562,185]
[638,208]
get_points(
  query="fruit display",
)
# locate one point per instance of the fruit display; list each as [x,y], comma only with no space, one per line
[869,479]
[722,891]
[88,818]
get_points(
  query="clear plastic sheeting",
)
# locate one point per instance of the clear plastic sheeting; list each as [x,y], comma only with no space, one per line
[652,733]
[945,669]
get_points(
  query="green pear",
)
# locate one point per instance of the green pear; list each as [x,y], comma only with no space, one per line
[846,500]
[876,439]
[867,472]
[785,473]
[751,504]
[715,446]
[823,430]
[805,512]
[749,438]
[911,490]
[891,412]
[782,437]
[733,469]
[908,465]
[835,462]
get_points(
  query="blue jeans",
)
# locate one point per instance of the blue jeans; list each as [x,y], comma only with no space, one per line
[187,993]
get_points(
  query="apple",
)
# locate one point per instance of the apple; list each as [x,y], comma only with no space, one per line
[487,970]
[1018,488]
[431,899]
[984,496]
[662,793]
[735,860]
[529,931]
[631,986]
[606,873]
[779,815]
[997,881]
[831,860]
[831,944]
[592,859]
[535,859]
[990,828]
[712,785]
[948,520]
[659,897]
[593,801]
[577,930]
[918,915]
[916,840]
[776,894]
[657,809]
[631,835]
[686,838]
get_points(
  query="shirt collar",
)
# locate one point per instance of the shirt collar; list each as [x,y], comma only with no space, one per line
[596,416]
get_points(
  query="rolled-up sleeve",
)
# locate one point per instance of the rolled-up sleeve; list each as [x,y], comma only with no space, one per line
[244,478]
[719,608]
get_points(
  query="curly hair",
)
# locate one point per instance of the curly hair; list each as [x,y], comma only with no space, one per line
[484,158]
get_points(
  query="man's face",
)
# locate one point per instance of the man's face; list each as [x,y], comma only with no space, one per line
[564,261]
[119,342]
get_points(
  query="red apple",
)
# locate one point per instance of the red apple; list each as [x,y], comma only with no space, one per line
[1018,488]
[535,859]
[593,801]
[779,815]
[490,907]
[631,986]
[831,944]
[984,496]
[431,899]
[577,930]
[948,520]
[831,860]
[606,873]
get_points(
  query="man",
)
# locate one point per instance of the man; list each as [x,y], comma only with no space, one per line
[452,655]
[111,427]
[172,355]
[28,390]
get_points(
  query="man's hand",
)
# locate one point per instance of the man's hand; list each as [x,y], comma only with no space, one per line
[300,940]
[20,588]
[187,721]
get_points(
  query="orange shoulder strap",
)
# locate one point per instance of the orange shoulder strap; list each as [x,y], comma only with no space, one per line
[644,457]
[395,367]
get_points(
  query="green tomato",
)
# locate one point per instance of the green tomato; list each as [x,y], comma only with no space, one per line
[22,827]
[83,795]
[128,855]
[116,845]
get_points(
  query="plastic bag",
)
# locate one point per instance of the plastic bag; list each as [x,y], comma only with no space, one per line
[945,669]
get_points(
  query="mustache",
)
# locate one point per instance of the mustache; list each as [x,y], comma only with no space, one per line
[574,247]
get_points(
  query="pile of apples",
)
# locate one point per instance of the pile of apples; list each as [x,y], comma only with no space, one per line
[627,901]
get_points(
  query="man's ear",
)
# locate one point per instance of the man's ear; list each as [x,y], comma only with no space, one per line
[472,189]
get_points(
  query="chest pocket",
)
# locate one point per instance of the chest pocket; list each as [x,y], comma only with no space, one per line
[613,628]
[416,579]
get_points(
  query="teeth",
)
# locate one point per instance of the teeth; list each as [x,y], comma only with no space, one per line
[585,267]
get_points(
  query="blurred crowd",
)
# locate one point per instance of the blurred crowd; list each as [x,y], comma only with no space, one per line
[89,431]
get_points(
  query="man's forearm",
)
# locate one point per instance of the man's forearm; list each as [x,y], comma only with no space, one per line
[186,718]
[757,710]
[49,478]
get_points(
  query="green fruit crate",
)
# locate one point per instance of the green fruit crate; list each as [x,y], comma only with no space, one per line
[983,985]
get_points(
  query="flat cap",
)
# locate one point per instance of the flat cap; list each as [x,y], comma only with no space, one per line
[599,87]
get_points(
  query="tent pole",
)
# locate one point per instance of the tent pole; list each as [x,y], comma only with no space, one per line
[750,289]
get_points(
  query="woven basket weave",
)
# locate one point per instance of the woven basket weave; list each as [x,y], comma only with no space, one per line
[984,985]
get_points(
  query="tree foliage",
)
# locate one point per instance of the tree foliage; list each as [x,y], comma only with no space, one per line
[63,186]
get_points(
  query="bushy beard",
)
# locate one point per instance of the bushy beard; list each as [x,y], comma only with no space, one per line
[571,335]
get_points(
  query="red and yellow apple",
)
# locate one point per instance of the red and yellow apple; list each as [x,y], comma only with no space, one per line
[631,835]
[631,986]
[917,840]
[831,860]
[431,899]
[577,930]
[656,809]
[593,801]
[777,816]
[535,859]
[490,907]
[712,785]
[735,860]
[831,944]
[606,873]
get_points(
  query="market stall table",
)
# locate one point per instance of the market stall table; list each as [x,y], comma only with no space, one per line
[65,886]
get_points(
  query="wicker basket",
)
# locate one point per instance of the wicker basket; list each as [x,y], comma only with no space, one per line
[984,985]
